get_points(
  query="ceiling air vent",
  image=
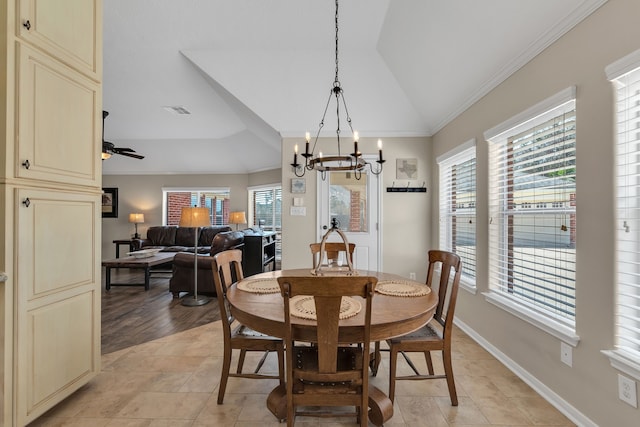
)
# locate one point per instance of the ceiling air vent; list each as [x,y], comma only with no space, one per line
[176,109]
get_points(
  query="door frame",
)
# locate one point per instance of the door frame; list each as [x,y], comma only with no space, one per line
[376,227]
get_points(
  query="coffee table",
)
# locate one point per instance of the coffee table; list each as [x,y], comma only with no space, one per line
[140,263]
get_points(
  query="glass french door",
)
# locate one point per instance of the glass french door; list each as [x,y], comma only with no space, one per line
[355,205]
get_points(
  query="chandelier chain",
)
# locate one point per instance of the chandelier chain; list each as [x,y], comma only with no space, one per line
[336,80]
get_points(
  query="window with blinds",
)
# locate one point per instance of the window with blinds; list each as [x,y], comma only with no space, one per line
[266,207]
[458,207]
[215,199]
[625,75]
[532,207]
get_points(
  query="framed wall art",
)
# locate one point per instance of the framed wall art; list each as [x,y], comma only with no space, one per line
[109,203]
[406,168]
[298,185]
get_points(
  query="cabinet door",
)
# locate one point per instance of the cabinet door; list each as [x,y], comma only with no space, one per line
[57,297]
[59,122]
[67,29]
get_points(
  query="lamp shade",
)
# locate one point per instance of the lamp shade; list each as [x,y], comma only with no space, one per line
[194,217]
[237,218]
[136,218]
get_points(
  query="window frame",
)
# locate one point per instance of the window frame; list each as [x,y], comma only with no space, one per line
[460,154]
[250,202]
[497,137]
[166,190]
[624,357]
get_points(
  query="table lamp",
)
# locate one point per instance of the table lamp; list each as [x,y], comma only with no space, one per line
[195,217]
[136,218]
[237,218]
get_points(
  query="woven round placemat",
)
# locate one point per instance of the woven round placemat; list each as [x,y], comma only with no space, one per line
[259,286]
[304,307]
[402,288]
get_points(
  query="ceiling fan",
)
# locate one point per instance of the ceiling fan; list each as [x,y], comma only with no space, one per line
[108,148]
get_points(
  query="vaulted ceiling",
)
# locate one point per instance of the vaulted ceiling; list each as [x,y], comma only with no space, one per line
[250,72]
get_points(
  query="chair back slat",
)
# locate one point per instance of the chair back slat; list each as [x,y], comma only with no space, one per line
[447,288]
[332,249]
[227,269]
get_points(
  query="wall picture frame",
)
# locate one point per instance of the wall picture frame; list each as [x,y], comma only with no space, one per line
[298,185]
[110,202]
[407,168]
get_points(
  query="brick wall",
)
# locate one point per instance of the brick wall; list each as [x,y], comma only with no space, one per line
[175,203]
[354,218]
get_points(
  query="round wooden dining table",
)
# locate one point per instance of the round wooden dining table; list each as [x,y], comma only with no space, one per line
[391,316]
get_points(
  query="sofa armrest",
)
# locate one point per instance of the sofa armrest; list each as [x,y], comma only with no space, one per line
[138,244]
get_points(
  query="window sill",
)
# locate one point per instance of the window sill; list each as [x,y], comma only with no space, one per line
[624,362]
[536,319]
[468,285]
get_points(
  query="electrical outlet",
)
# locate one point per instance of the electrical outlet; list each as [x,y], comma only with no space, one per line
[412,276]
[627,390]
[566,354]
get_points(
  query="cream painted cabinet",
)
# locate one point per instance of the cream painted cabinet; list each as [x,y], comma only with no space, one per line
[58,117]
[50,202]
[70,30]
[59,303]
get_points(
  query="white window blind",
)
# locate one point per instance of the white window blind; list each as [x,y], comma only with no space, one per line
[625,74]
[266,206]
[532,207]
[215,199]
[458,207]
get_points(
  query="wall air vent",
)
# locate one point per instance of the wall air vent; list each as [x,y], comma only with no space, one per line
[176,109]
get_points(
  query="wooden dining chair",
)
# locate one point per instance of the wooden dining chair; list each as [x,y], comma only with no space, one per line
[227,269]
[328,373]
[436,335]
[333,250]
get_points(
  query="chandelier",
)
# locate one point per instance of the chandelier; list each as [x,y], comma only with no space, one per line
[338,162]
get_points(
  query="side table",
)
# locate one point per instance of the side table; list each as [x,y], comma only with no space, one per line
[127,242]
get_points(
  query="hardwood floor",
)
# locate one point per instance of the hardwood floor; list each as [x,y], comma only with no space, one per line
[131,315]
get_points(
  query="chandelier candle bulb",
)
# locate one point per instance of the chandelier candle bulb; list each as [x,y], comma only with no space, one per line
[356,153]
[307,138]
[380,151]
[295,155]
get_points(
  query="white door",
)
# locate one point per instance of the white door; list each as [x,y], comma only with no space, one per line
[355,205]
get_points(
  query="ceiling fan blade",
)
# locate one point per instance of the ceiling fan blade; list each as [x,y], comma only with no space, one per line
[109,147]
[130,154]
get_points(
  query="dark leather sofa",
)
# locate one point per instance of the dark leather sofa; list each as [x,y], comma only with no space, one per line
[178,239]
[183,263]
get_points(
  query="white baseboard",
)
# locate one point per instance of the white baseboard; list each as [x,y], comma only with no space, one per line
[549,395]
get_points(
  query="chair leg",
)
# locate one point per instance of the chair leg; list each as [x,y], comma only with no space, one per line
[374,359]
[291,418]
[281,372]
[261,362]
[427,358]
[448,370]
[363,410]
[410,362]
[393,362]
[226,366]
[243,353]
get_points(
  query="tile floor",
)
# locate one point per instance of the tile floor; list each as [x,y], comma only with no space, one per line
[173,382]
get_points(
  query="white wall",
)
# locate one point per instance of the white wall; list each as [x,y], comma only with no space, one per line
[405,218]
[143,193]
[578,58]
